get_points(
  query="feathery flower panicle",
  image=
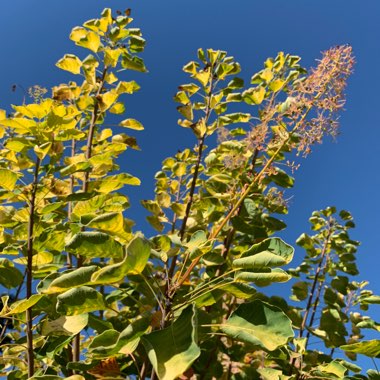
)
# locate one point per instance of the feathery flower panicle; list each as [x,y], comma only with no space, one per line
[256,138]
[317,99]
[37,93]
[309,112]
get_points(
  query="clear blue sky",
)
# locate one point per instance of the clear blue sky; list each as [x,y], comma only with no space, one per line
[34,35]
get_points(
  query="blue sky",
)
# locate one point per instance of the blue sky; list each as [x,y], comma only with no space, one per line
[345,173]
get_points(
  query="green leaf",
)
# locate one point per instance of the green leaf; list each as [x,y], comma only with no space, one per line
[373,374]
[112,342]
[133,63]
[132,124]
[70,279]
[282,179]
[66,325]
[263,278]
[94,244]
[179,209]
[105,340]
[56,346]
[236,83]
[138,252]
[10,277]
[254,95]
[189,88]
[234,118]
[195,242]
[127,87]
[102,202]
[333,324]
[79,301]
[369,348]
[112,222]
[70,63]
[237,289]
[8,179]
[270,374]
[267,254]
[186,111]
[39,259]
[98,324]
[23,305]
[260,324]
[173,349]
[300,291]
[256,264]
[333,368]
[113,183]
[372,300]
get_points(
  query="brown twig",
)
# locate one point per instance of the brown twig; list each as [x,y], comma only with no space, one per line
[29,269]
[316,277]
[70,205]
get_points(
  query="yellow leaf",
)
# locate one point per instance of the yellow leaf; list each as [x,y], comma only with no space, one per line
[110,78]
[23,305]
[91,42]
[280,61]
[40,258]
[107,100]
[75,159]
[111,56]
[21,215]
[78,33]
[107,15]
[2,117]
[19,124]
[104,134]
[37,110]
[203,76]
[85,101]
[269,63]
[118,108]
[86,39]
[113,183]
[267,75]
[132,124]
[42,150]
[258,95]
[8,179]
[276,85]
[127,87]
[70,63]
